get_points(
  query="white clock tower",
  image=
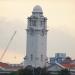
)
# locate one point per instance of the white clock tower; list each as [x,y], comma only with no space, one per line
[36,39]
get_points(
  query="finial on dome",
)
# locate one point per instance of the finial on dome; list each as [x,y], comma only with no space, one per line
[37,9]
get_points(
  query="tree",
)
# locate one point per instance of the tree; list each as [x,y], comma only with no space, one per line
[29,70]
[64,72]
[12,73]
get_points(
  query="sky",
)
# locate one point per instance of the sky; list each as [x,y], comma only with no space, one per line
[60,23]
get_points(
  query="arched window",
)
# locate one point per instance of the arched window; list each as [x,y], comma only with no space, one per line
[33,22]
[41,57]
[42,23]
[31,57]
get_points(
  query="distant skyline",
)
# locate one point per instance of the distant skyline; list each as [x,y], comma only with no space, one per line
[60,23]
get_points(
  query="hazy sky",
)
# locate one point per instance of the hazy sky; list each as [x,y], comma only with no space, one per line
[61,26]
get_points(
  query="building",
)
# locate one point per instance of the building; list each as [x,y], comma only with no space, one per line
[54,69]
[67,63]
[6,68]
[59,57]
[36,39]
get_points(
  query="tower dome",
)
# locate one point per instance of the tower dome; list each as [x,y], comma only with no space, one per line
[38,9]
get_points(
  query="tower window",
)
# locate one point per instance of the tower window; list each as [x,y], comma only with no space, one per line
[34,22]
[29,21]
[42,23]
[31,31]
[41,57]
[31,57]
[43,32]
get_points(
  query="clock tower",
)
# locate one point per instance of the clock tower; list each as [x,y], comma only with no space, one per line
[36,39]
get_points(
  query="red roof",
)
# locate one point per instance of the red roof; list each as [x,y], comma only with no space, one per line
[68,65]
[10,67]
[3,64]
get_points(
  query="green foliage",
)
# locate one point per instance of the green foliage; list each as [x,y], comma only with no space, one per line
[38,71]
[31,71]
[12,73]
[26,71]
[64,72]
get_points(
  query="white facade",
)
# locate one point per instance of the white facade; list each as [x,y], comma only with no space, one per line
[36,39]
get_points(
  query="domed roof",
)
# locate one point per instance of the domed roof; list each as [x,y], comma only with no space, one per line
[37,8]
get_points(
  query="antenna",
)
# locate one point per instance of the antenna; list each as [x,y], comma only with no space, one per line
[7,45]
